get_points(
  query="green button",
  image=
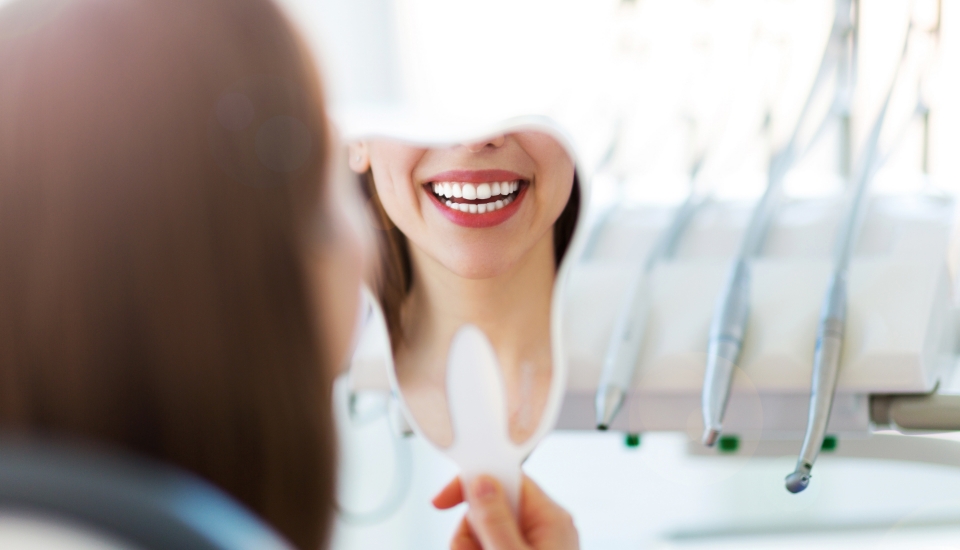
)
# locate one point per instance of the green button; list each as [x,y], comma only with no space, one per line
[728,443]
[829,444]
[632,440]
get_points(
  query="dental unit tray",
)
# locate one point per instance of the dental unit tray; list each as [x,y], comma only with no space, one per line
[900,331]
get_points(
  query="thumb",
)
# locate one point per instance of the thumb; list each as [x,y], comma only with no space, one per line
[490,516]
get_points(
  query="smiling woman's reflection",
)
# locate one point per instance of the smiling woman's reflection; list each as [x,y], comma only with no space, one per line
[470,233]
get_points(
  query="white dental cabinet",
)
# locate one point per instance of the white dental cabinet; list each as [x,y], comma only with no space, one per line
[900,329]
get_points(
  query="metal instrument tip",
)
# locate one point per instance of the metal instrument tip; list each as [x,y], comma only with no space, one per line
[798,480]
[609,400]
[710,436]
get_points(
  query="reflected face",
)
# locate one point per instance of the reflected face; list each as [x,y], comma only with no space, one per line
[476,208]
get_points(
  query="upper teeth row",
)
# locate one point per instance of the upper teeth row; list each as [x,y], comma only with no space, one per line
[470,192]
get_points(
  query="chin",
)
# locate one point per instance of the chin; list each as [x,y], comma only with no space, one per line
[479,264]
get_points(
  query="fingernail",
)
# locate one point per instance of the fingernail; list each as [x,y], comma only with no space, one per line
[483,488]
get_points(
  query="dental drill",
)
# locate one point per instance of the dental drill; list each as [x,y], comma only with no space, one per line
[731,314]
[830,333]
[623,350]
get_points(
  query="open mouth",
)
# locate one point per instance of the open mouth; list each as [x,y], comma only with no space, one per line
[476,198]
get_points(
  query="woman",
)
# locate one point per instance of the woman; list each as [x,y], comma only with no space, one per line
[175,273]
[472,233]
[159,247]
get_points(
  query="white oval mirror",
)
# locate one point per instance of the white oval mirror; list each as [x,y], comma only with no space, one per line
[471,237]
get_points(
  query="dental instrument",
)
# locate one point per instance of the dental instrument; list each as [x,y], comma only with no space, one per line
[830,332]
[620,360]
[626,338]
[728,327]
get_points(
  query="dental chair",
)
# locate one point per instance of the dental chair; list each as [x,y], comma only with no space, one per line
[54,496]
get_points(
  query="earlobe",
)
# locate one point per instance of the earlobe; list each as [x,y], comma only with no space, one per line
[359,157]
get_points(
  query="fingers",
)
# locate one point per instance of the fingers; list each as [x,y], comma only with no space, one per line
[449,496]
[490,516]
[537,506]
[490,524]
[463,538]
[544,523]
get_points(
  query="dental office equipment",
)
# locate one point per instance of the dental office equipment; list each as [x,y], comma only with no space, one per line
[832,323]
[363,410]
[627,337]
[731,314]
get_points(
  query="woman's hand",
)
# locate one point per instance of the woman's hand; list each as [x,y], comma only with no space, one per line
[490,525]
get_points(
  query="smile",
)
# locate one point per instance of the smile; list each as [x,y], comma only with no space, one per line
[475,198]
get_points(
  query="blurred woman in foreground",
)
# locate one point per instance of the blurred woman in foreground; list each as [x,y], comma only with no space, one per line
[164,219]
[175,276]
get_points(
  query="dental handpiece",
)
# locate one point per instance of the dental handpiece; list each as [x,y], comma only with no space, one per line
[626,340]
[826,366]
[723,350]
[732,311]
[826,363]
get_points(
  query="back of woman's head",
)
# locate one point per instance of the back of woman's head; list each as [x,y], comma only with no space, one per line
[161,164]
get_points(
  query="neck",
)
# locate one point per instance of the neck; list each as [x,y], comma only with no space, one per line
[512,308]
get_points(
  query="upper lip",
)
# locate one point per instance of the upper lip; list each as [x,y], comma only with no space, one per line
[476,176]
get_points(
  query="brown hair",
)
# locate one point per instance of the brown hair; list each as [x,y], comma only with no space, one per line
[161,170]
[394,276]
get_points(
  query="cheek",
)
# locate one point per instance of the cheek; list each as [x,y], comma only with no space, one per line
[396,194]
[557,196]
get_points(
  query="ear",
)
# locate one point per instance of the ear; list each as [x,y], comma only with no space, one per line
[359,157]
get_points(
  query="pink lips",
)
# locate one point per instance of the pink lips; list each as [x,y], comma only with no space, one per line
[487,219]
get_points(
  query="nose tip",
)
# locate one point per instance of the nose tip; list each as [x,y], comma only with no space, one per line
[477,146]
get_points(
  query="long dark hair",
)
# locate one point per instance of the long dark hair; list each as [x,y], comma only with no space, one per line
[394,276]
[162,165]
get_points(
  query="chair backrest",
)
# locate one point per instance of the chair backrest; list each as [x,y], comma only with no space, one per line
[32,531]
[120,501]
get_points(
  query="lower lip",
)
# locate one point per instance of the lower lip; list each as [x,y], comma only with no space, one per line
[487,219]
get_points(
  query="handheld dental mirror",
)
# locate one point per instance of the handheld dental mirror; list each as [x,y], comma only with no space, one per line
[482,397]
[478,411]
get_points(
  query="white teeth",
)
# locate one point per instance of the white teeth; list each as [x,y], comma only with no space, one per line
[483,191]
[482,208]
[470,191]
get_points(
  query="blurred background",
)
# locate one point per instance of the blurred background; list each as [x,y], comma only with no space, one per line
[651,87]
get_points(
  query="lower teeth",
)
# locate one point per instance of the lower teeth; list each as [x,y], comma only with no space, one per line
[479,208]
